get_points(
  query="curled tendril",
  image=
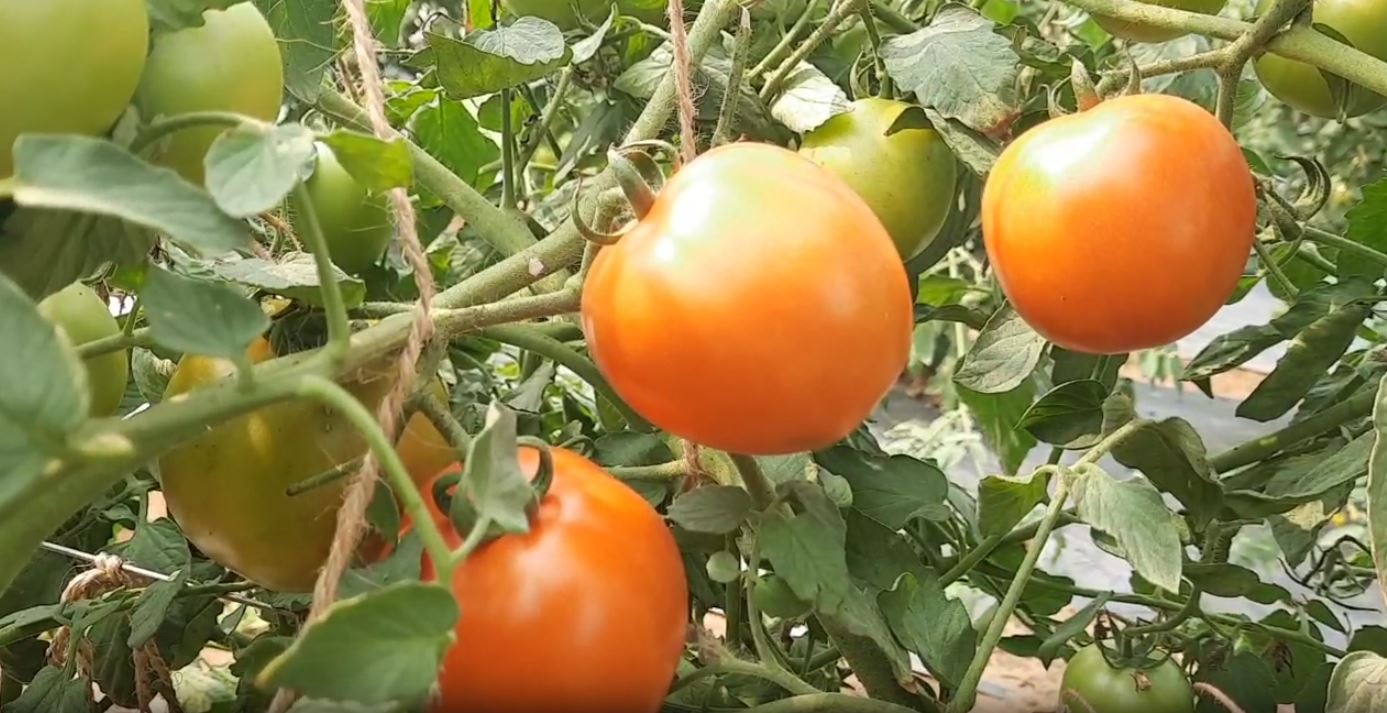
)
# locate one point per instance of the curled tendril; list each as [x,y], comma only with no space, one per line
[589,233]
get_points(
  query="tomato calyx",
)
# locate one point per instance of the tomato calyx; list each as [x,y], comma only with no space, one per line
[461,486]
[632,182]
[638,178]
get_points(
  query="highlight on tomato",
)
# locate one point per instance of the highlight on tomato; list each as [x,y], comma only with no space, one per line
[1123,227]
[227,488]
[70,66]
[759,307]
[229,64]
[586,612]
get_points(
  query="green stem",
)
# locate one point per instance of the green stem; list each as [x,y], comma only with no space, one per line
[889,15]
[116,342]
[335,397]
[508,173]
[326,477]
[741,47]
[1357,406]
[546,119]
[663,471]
[163,127]
[442,419]
[1328,239]
[874,39]
[475,537]
[1242,49]
[1273,269]
[760,488]
[334,305]
[779,676]
[1170,623]
[844,10]
[131,318]
[970,560]
[536,342]
[783,47]
[1204,60]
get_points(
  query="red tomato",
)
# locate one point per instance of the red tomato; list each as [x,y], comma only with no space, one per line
[760,307]
[1123,227]
[586,612]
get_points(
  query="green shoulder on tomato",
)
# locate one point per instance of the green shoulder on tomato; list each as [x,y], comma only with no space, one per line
[1092,685]
[230,64]
[891,157]
[355,222]
[70,66]
[1304,87]
[84,317]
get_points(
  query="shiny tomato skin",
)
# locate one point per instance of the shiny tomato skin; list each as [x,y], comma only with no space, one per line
[1364,24]
[1134,32]
[907,177]
[226,488]
[70,66]
[1123,227]
[1104,689]
[588,612]
[231,64]
[355,222]
[759,308]
[84,317]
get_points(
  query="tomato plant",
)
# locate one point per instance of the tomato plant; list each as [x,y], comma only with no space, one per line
[96,52]
[1069,224]
[355,222]
[1306,88]
[231,63]
[895,161]
[765,226]
[602,593]
[796,355]
[228,489]
[84,317]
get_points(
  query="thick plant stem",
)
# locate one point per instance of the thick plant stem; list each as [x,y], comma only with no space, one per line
[1328,239]
[1298,43]
[844,10]
[1243,48]
[535,342]
[339,399]
[782,48]
[968,687]
[661,472]
[442,419]
[334,305]
[1357,406]
[760,488]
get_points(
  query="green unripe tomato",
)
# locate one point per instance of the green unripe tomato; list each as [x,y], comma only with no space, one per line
[355,223]
[70,66]
[907,177]
[562,14]
[1133,32]
[1104,689]
[230,64]
[84,317]
[1364,24]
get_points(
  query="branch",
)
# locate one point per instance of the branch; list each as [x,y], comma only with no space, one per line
[1257,449]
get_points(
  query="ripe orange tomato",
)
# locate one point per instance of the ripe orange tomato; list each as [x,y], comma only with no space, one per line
[1123,227]
[226,488]
[586,612]
[760,307]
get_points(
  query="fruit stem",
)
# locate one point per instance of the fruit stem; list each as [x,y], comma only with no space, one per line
[741,46]
[165,126]
[508,172]
[844,10]
[334,306]
[758,486]
[637,190]
[546,120]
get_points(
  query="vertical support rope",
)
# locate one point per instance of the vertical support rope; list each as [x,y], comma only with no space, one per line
[351,518]
[679,40]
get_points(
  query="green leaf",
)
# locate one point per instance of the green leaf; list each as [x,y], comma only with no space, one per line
[1359,684]
[723,567]
[251,169]
[1072,627]
[1171,454]
[958,66]
[584,49]
[715,509]
[1132,512]
[1377,485]
[387,19]
[977,152]
[1246,679]
[1069,415]
[449,133]
[152,607]
[628,448]
[293,275]
[932,626]
[807,551]
[1367,225]
[497,488]
[44,251]
[96,176]
[1075,366]
[375,164]
[1004,355]
[1313,352]
[487,61]
[199,317]
[43,394]
[1003,501]
[1344,465]
[878,556]
[150,373]
[891,490]
[382,646]
[998,415]
[808,99]
[52,691]
[158,545]
[308,41]
[1230,580]
[403,565]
